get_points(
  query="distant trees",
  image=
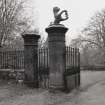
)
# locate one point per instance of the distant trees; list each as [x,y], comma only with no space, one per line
[13,21]
[92,39]
[96,30]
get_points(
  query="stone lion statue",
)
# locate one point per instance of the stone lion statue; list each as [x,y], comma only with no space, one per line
[58,15]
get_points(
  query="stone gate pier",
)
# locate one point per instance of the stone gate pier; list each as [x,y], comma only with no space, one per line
[56,39]
[31,59]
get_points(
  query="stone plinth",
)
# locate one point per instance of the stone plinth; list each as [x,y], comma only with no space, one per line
[56,38]
[31,59]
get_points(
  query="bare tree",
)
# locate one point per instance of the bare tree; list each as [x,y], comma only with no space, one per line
[95,31]
[93,37]
[12,19]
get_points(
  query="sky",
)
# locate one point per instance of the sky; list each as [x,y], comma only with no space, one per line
[79,12]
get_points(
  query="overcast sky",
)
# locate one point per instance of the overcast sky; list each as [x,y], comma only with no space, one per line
[79,12]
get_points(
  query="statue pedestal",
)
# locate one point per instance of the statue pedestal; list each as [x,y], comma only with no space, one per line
[56,38]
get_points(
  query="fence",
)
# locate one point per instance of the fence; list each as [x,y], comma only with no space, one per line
[72,71]
[43,65]
[43,58]
[72,66]
[12,59]
[72,60]
[15,60]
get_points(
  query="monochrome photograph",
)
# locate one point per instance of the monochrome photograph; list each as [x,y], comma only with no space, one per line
[52,52]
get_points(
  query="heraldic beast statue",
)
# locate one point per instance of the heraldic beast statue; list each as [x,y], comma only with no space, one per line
[58,15]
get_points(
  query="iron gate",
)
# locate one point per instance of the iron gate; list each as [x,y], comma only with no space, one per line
[72,65]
